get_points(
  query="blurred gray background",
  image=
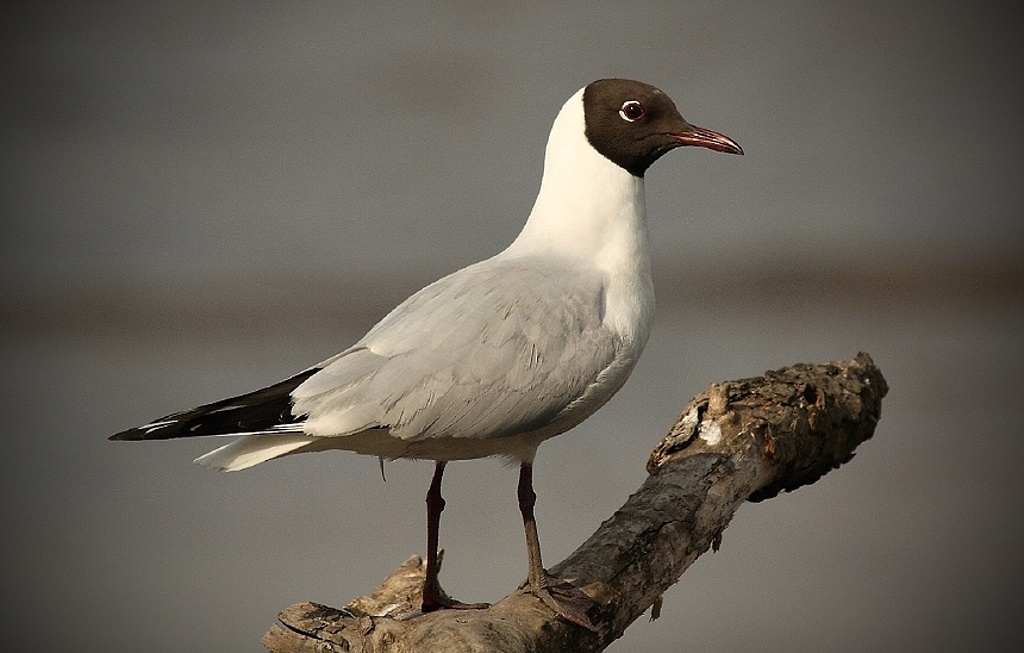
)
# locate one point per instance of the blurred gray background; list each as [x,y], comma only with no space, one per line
[205,197]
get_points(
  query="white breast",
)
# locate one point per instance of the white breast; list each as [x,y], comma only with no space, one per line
[592,212]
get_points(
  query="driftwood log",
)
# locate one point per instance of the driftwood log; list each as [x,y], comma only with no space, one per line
[745,440]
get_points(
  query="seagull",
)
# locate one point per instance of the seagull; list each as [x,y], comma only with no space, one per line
[495,358]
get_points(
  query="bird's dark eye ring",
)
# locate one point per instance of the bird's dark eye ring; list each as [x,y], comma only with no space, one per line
[632,111]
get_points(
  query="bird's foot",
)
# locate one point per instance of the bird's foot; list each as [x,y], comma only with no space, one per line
[568,601]
[434,598]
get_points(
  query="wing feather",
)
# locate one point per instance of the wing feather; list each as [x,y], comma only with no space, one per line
[501,348]
[489,351]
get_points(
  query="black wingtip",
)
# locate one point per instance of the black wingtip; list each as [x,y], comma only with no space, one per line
[162,429]
[131,435]
[256,411]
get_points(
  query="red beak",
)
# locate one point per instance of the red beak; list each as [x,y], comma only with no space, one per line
[706,138]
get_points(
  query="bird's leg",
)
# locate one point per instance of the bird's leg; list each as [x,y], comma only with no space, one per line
[433,596]
[537,575]
[435,504]
[568,601]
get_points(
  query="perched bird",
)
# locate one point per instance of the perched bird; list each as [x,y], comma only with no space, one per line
[501,355]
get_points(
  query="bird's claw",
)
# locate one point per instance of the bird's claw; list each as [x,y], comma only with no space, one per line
[436,599]
[565,599]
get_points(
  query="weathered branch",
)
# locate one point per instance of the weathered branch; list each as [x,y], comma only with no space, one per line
[736,441]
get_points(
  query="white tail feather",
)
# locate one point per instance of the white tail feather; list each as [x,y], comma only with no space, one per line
[253,449]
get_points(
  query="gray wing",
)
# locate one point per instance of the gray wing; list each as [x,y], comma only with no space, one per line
[495,349]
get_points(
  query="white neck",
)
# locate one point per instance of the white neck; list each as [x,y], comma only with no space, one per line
[592,210]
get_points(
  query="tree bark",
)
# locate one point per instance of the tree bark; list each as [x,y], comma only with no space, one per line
[745,440]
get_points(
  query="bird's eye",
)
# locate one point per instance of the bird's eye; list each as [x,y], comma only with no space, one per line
[632,111]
